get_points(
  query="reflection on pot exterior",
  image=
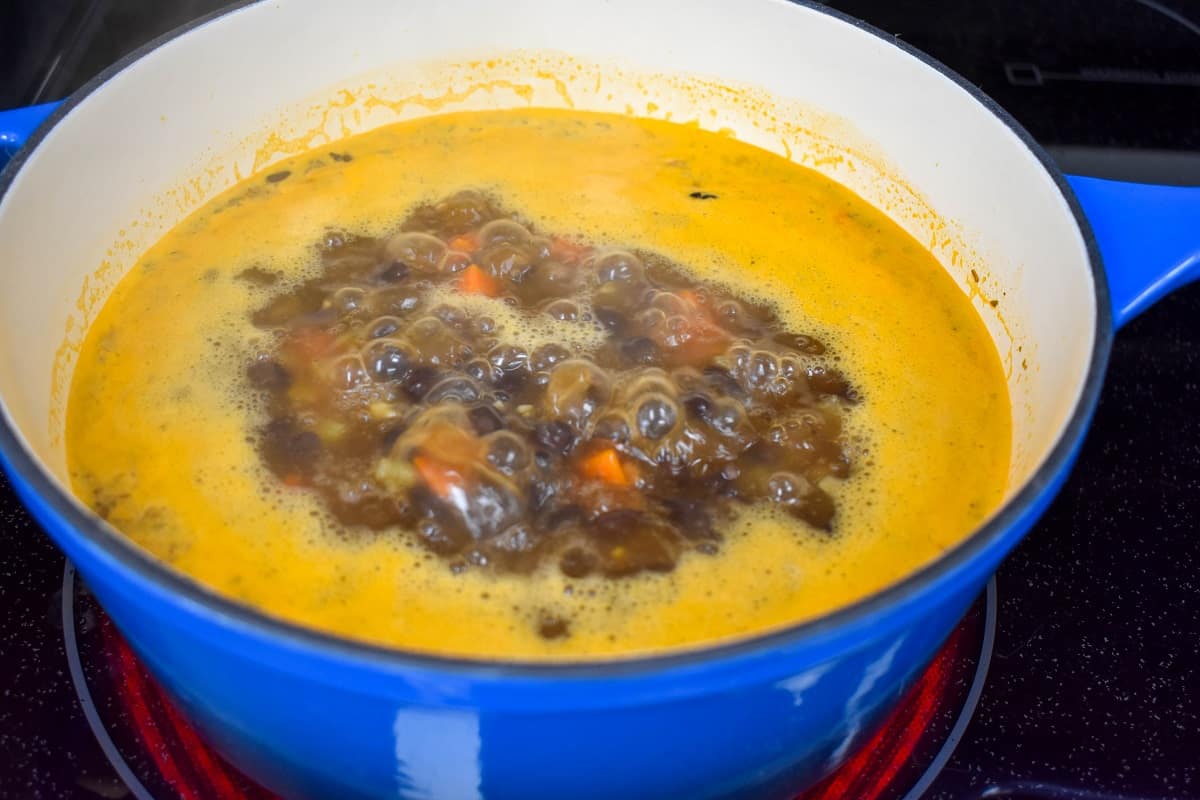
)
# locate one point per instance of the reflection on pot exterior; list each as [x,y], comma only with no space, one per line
[437,754]
[855,714]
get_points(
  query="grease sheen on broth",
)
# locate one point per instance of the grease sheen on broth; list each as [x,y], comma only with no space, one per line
[161,425]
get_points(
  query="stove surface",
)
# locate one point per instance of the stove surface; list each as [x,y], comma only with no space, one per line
[1086,686]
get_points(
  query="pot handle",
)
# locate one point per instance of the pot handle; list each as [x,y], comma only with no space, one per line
[17,125]
[1149,238]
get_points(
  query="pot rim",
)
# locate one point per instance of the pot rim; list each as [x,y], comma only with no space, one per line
[24,467]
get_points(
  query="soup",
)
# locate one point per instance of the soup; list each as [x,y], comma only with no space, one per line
[540,384]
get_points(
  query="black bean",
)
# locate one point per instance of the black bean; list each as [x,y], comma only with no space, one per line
[613,428]
[553,627]
[383,327]
[387,361]
[276,177]
[816,508]
[612,321]
[556,436]
[691,518]
[547,356]
[831,382]
[257,276]
[725,384]
[698,406]
[800,343]
[619,267]
[419,382]
[268,374]
[507,452]
[656,417]
[289,449]
[485,420]
[508,358]
[441,536]
[562,516]
[371,510]
[394,272]
[640,351]
[630,542]
[578,563]
[479,369]
[458,388]
[390,436]
[541,493]
[288,309]
[519,538]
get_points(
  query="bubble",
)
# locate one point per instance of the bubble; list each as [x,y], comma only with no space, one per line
[464,210]
[420,251]
[454,261]
[507,452]
[522,328]
[503,231]
[555,435]
[394,272]
[451,315]
[427,327]
[348,299]
[547,356]
[539,247]
[671,304]
[618,266]
[639,351]
[576,389]
[613,427]
[399,300]
[485,420]
[456,388]
[563,310]
[656,416]
[729,417]
[508,358]
[786,488]
[349,372]
[387,359]
[383,327]
[481,369]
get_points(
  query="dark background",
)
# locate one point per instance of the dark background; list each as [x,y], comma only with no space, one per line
[1094,690]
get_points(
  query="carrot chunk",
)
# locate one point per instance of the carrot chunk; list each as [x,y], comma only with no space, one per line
[441,478]
[465,243]
[566,251]
[605,465]
[476,280]
[312,343]
[699,339]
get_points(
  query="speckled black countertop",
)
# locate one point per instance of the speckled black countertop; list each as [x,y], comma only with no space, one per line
[1094,686]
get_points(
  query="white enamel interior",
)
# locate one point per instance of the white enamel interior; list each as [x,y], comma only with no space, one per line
[182,122]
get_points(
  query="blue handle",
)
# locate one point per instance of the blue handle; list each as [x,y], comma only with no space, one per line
[18,125]
[1149,236]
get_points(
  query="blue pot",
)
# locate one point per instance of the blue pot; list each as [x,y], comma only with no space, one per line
[311,715]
